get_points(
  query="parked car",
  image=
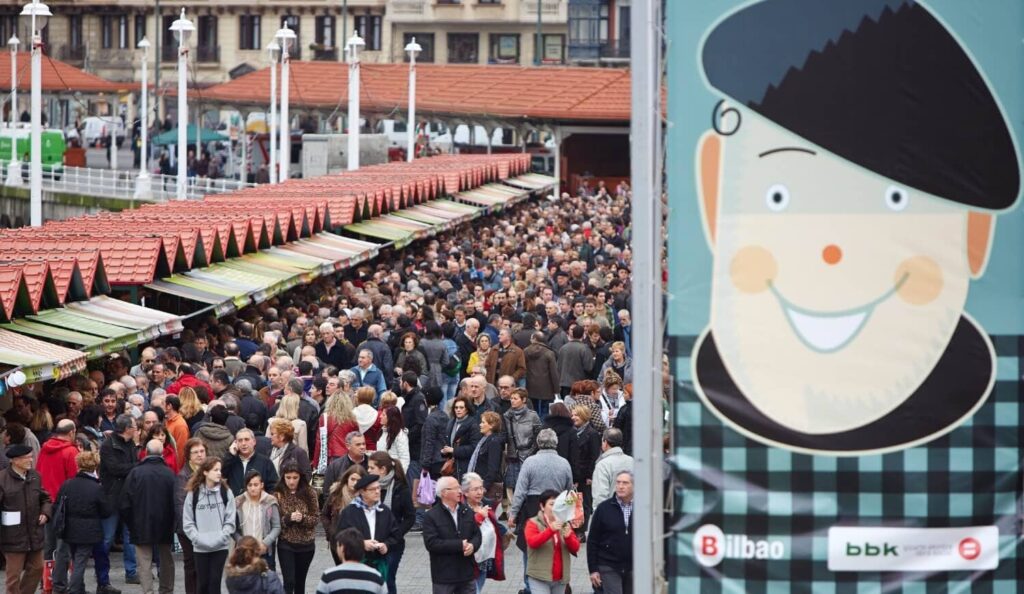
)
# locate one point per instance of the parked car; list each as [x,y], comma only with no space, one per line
[96,130]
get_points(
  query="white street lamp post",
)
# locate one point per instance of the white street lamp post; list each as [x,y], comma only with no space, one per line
[183,29]
[143,184]
[355,43]
[287,38]
[39,14]
[14,168]
[273,50]
[413,50]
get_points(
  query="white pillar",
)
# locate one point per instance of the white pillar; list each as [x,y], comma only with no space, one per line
[14,168]
[410,151]
[355,43]
[243,175]
[286,129]
[113,137]
[36,171]
[182,121]
[143,184]
[273,122]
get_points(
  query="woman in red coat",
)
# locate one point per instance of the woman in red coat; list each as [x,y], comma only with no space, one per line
[159,433]
[336,422]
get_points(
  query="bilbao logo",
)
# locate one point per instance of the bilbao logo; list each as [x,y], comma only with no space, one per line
[711,545]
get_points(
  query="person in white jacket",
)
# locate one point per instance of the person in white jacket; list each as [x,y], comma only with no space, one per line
[398,446]
[611,462]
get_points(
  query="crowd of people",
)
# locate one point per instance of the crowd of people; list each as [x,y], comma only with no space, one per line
[467,390]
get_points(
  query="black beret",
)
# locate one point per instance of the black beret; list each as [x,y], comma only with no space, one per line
[881,83]
[366,481]
[18,450]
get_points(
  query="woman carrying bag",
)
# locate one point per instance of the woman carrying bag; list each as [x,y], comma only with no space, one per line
[549,543]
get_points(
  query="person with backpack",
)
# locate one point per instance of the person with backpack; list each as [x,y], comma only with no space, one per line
[78,516]
[209,523]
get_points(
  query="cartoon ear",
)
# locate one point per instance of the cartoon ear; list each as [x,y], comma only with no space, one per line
[980,227]
[709,171]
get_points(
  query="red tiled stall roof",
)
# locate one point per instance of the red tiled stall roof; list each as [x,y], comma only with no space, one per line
[57,77]
[547,93]
[136,247]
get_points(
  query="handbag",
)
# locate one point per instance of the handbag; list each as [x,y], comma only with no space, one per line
[496,493]
[425,493]
[448,468]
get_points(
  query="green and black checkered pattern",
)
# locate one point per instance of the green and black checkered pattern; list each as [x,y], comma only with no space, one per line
[969,477]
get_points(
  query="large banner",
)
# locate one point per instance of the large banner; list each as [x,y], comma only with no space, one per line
[846,311]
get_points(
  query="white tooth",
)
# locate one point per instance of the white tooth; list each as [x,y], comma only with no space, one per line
[826,333]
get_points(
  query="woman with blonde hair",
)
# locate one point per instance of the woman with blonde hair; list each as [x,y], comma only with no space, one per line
[191,408]
[334,424]
[586,449]
[289,411]
[367,416]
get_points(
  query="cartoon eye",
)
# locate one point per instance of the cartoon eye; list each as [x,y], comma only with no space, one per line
[777,198]
[896,198]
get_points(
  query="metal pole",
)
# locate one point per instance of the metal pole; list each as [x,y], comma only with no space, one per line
[143,183]
[244,175]
[410,150]
[344,24]
[36,171]
[182,118]
[14,168]
[286,131]
[273,121]
[353,109]
[645,159]
[157,26]
[537,50]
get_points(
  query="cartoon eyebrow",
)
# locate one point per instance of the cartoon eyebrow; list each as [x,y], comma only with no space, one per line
[785,149]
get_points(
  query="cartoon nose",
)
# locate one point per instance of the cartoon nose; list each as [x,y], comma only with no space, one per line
[832,254]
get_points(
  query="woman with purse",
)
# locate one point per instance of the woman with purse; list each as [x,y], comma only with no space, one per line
[460,439]
[486,458]
[490,557]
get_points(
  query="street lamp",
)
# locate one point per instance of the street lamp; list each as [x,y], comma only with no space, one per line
[39,13]
[183,29]
[355,43]
[413,50]
[287,37]
[14,168]
[273,49]
[143,186]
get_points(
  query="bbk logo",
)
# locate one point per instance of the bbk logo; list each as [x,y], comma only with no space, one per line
[868,549]
[711,545]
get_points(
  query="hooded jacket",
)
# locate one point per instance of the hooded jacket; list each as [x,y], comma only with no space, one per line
[216,438]
[57,464]
[541,372]
[271,513]
[252,579]
[369,424]
[211,526]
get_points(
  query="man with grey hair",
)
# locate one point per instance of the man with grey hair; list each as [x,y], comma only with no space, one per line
[451,536]
[368,374]
[332,351]
[542,471]
[73,406]
[382,357]
[610,547]
[147,506]
[611,462]
[355,330]
[356,444]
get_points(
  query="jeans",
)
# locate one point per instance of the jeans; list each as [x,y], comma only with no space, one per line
[512,474]
[109,529]
[294,568]
[450,387]
[480,579]
[78,555]
[210,571]
[541,406]
[615,581]
[394,557]
[526,580]
[539,587]
[102,560]
[463,588]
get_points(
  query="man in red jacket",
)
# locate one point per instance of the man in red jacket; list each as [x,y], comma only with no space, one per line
[56,465]
[187,379]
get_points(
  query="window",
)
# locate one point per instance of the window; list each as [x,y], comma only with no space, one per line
[463,48]
[207,31]
[140,28]
[122,32]
[249,32]
[489,1]
[325,31]
[114,31]
[369,29]
[295,45]
[504,48]
[588,28]
[554,49]
[426,41]
[9,27]
[75,39]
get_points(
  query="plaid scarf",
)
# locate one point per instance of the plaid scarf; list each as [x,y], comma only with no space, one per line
[358,502]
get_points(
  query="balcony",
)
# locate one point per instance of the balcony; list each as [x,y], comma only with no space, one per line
[326,54]
[207,54]
[547,7]
[617,50]
[608,53]
[408,6]
[71,54]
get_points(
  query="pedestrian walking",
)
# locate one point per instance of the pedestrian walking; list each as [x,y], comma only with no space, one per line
[259,516]
[209,523]
[147,505]
[118,455]
[299,515]
[451,536]
[196,455]
[610,547]
[550,542]
[351,576]
[26,509]
[247,571]
[85,507]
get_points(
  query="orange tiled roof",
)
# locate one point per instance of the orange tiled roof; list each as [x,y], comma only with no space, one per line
[555,93]
[138,246]
[57,76]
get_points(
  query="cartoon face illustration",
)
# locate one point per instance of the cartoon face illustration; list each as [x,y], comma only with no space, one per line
[845,237]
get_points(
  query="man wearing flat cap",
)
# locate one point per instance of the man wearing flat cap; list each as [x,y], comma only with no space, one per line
[849,192]
[26,508]
[373,520]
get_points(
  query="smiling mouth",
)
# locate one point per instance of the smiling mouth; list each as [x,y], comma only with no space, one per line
[828,332]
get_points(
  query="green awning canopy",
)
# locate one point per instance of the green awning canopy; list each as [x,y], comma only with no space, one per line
[171,136]
[38,360]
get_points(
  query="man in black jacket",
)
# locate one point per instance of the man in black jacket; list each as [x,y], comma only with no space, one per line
[451,536]
[253,411]
[414,413]
[610,546]
[384,535]
[433,433]
[118,455]
[147,503]
[246,458]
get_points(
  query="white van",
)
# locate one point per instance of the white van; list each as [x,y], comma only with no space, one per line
[96,130]
[397,134]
